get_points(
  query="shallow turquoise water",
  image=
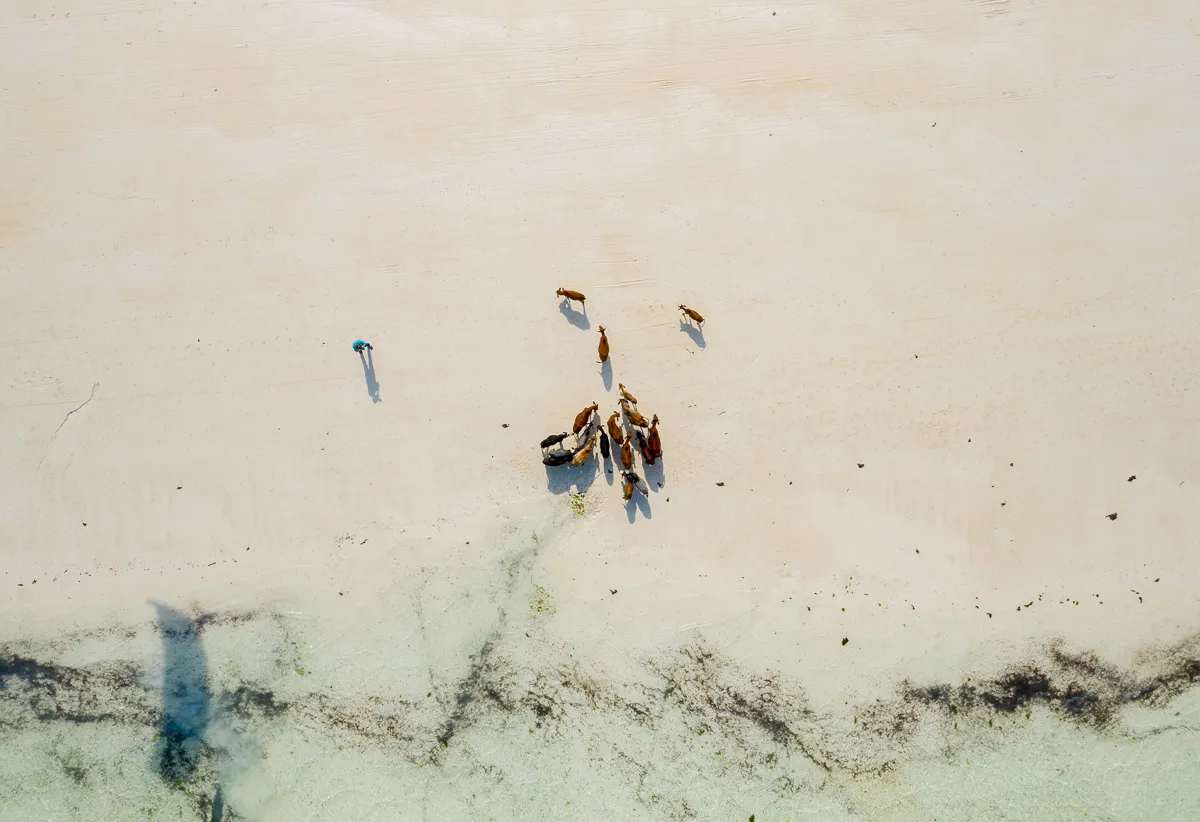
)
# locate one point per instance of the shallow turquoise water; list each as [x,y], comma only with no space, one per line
[464,697]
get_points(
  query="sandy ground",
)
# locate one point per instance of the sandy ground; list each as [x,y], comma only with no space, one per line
[947,254]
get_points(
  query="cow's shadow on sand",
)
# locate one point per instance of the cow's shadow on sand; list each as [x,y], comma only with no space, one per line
[638,503]
[563,478]
[656,476]
[579,319]
[694,331]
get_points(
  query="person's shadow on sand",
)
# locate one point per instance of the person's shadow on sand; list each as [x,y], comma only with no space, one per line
[368,364]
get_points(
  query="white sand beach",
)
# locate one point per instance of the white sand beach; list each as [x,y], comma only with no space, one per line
[924,540]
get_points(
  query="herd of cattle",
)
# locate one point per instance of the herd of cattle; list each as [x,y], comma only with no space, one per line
[587,433]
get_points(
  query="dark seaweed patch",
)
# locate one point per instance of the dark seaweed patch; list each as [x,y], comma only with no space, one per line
[748,709]
[1080,702]
[482,678]
[247,702]
[544,700]
[108,692]
[1082,687]
[1017,689]
[226,619]
[14,668]
[71,762]
[372,721]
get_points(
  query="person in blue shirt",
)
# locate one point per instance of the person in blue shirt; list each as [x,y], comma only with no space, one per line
[364,349]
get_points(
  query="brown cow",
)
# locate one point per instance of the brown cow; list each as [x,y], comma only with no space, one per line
[642,447]
[603,349]
[614,429]
[653,439]
[589,428]
[583,452]
[627,454]
[693,313]
[581,419]
[634,416]
[625,395]
[648,455]
[570,295]
[627,491]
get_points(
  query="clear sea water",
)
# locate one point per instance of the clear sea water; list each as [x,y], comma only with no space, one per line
[467,688]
